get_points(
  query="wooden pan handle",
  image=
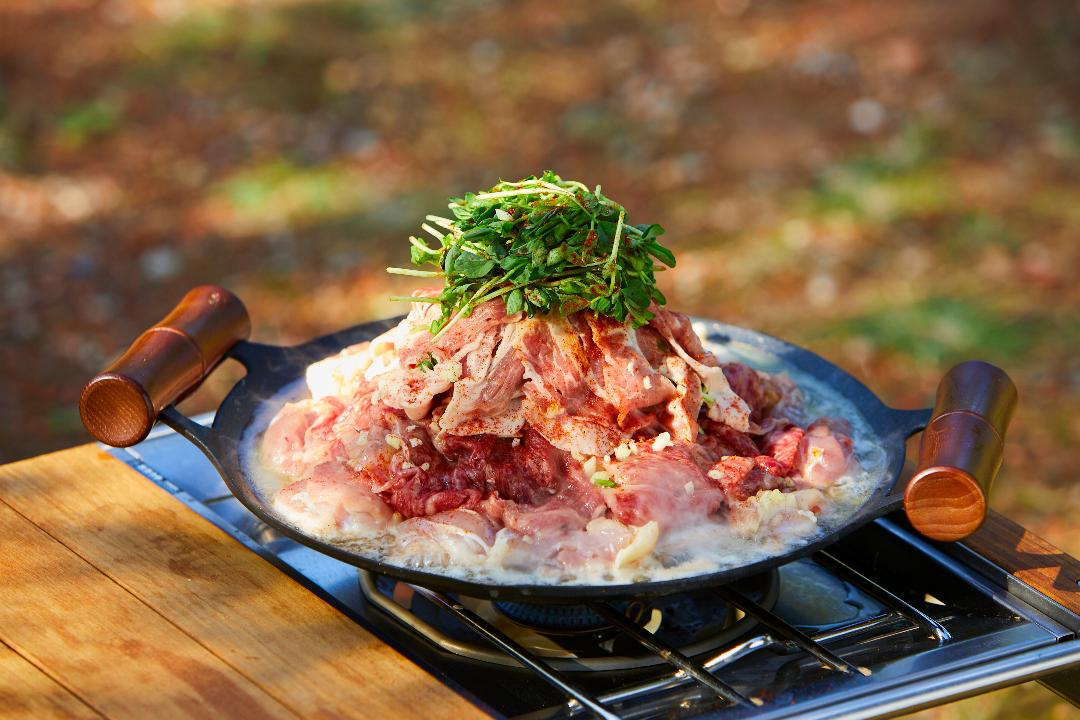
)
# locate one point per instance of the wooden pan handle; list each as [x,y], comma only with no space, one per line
[120,405]
[960,452]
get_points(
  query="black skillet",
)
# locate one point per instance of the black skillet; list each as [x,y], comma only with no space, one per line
[945,500]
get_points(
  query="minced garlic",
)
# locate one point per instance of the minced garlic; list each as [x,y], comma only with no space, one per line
[663,440]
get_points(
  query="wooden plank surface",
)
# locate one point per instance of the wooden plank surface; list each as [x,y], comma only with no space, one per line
[294,647]
[26,692]
[121,657]
[1029,558]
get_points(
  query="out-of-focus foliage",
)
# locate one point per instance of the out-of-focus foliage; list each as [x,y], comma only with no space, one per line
[894,184]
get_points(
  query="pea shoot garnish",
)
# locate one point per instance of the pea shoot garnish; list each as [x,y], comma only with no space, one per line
[544,245]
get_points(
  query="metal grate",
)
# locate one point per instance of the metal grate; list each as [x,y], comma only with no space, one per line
[689,671]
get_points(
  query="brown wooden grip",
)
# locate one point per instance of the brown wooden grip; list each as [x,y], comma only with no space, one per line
[120,405]
[960,452]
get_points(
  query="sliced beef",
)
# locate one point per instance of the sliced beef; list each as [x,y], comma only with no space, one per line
[654,348]
[760,392]
[782,444]
[742,477]
[677,327]
[719,440]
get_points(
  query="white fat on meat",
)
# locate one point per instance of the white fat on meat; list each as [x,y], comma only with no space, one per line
[332,504]
[727,407]
[414,389]
[681,411]
[343,374]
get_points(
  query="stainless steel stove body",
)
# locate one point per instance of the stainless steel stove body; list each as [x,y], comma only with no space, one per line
[882,623]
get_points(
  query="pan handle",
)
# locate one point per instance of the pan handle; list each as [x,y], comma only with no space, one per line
[120,405]
[960,451]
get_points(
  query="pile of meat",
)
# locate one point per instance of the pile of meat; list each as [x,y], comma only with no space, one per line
[551,442]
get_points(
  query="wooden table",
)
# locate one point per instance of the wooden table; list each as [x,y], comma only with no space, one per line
[118,601]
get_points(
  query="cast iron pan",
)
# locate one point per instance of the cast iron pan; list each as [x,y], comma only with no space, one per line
[945,500]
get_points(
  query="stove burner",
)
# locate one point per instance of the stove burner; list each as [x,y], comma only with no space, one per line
[573,637]
[554,618]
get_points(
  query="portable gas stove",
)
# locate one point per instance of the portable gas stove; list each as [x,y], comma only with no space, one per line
[881,624]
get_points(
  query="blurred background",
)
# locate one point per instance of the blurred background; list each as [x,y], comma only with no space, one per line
[894,184]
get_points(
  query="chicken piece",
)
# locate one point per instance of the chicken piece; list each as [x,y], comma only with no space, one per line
[825,453]
[301,436]
[446,538]
[333,503]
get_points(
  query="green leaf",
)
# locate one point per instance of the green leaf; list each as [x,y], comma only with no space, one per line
[556,255]
[420,256]
[515,300]
[650,232]
[473,266]
[661,253]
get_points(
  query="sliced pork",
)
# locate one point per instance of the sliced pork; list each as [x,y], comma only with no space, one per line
[487,397]
[616,369]
[665,486]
